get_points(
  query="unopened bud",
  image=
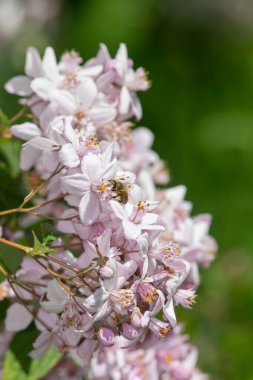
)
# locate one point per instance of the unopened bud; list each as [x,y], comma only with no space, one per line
[106,336]
[136,317]
[129,332]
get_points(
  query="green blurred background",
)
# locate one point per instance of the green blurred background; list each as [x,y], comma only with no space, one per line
[199,55]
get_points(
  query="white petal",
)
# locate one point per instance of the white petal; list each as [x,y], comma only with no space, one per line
[42,87]
[41,143]
[50,64]
[131,230]
[68,156]
[102,114]
[65,100]
[19,85]
[56,292]
[86,93]
[25,131]
[124,100]
[89,208]
[33,65]
[28,157]
[91,166]
[75,184]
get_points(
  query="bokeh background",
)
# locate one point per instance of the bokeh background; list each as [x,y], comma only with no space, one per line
[199,55]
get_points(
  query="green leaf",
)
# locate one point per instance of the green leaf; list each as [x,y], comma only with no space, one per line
[42,248]
[21,345]
[40,367]
[12,369]
[10,257]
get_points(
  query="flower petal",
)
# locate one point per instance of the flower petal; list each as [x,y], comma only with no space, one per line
[86,93]
[18,318]
[89,208]
[25,131]
[19,85]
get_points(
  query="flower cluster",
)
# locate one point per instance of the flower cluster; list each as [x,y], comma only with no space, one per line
[127,254]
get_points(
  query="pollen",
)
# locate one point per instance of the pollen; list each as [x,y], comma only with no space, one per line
[91,142]
[80,115]
[164,331]
[168,359]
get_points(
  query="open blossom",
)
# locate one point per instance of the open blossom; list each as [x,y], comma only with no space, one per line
[127,254]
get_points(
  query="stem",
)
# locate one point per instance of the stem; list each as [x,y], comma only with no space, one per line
[20,114]
[83,271]
[16,245]
[32,194]
[3,271]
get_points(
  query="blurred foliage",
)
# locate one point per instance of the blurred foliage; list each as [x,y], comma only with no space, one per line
[199,55]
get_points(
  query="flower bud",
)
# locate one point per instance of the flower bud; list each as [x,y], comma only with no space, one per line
[136,317]
[129,332]
[106,336]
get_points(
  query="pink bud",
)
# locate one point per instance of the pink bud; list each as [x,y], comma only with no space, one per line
[105,272]
[129,332]
[106,336]
[136,317]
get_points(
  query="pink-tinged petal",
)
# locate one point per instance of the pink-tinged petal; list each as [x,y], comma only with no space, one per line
[41,344]
[176,194]
[89,254]
[41,143]
[48,318]
[119,210]
[94,301]
[102,114]
[91,166]
[42,87]
[109,171]
[33,65]
[47,115]
[103,311]
[86,350]
[89,208]
[122,55]
[25,131]
[72,337]
[136,106]
[149,218]
[82,231]
[19,85]
[86,93]
[92,71]
[28,157]
[17,318]
[143,138]
[65,100]
[169,313]
[103,54]
[124,272]
[105,80]
[131,230]
[56,292]
[68,156]
[124,100]
[75,184]
[103,242]
[50,64]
